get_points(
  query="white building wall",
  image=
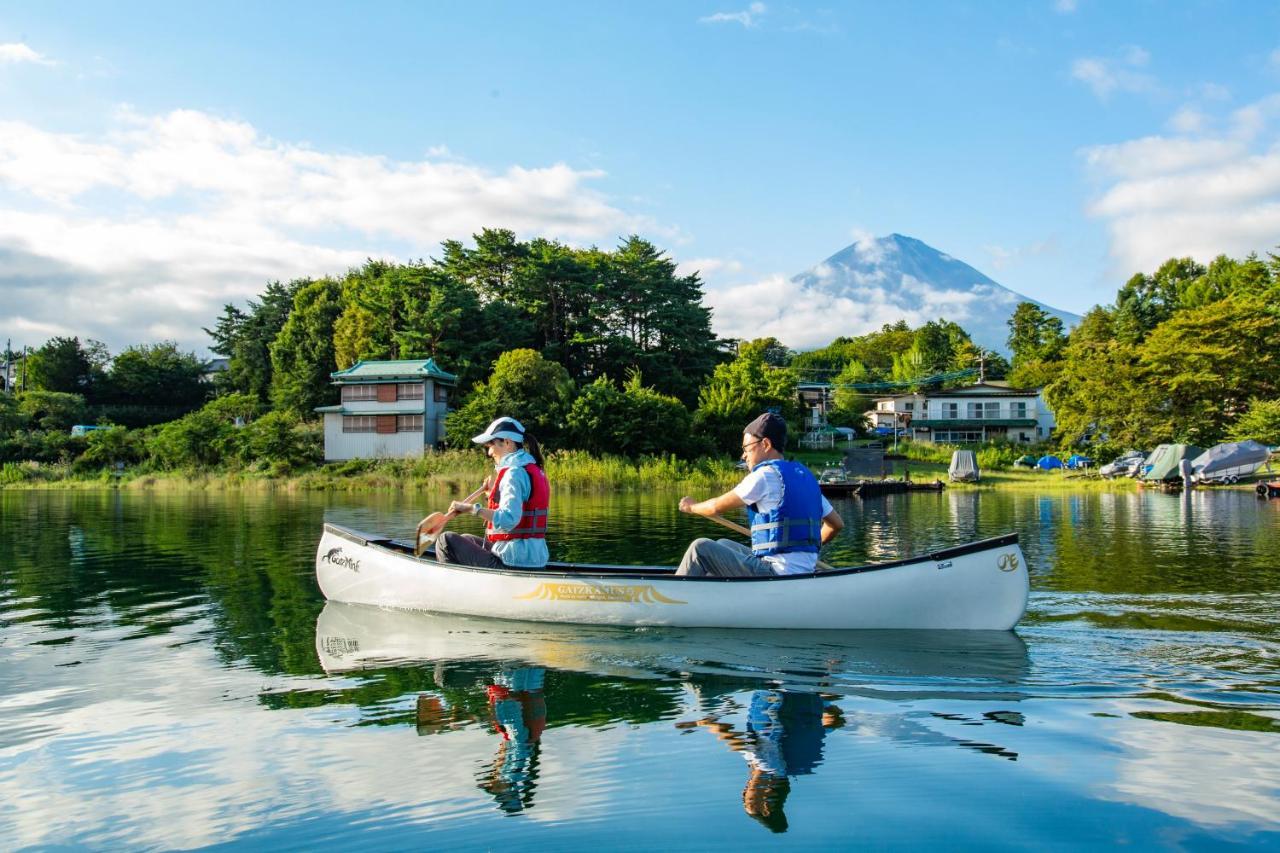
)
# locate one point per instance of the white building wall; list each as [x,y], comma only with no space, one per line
[340,445]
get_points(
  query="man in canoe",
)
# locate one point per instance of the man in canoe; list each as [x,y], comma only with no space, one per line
[790,519]
[515,514]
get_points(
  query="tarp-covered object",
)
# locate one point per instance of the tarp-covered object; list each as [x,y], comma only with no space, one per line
[1045,463]
[1236,458]
[1163,462]
[964,467]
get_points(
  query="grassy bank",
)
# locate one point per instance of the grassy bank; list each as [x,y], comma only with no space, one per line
[453,471]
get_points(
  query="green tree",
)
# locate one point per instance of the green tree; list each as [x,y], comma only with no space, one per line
[302,355]
[1146,301]
[740,390]
[156,373]
[53,410]
[200,439]
[12,417]
[1204,365]
[63,365]
[244,338]
[105,447]
[523,385]
[630,421]
[1260,422]
[1096,395]
[850,404]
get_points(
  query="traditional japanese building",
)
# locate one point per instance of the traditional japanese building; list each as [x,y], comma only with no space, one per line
[388,409]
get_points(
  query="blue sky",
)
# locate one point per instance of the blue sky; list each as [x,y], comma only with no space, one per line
[157,160]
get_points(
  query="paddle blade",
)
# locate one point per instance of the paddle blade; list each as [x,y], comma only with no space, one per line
[428,529]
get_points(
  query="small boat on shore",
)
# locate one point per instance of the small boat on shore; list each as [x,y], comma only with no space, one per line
[978,586]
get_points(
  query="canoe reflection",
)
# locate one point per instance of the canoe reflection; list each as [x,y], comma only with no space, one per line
[888,664]
[497,673]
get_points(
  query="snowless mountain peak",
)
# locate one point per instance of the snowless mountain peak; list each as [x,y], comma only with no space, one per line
[906,277]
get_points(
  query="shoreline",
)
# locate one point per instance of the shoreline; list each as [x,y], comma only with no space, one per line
[608,475]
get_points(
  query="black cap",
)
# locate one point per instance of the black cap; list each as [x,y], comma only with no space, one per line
[769,426]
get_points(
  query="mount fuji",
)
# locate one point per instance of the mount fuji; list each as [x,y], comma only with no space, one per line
[907,277]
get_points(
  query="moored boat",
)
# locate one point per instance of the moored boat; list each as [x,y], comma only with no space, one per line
[978,586]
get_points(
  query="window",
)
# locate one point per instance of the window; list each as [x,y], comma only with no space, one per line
[956,436]
[357,393]
[409,391]
[408,423]
[1017,410]
[442,394]
[908,407]
[980,411]
[358,423]
[950,411]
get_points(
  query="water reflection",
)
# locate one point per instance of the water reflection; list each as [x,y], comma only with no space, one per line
[784,736]
[1137,705]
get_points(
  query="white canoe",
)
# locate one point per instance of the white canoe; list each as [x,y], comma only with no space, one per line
[979,586]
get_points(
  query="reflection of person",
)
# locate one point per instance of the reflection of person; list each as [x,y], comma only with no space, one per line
[784,738]
[790,519]
[516,513]
[519,712]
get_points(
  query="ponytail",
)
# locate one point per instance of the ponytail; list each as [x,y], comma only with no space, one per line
[535,449]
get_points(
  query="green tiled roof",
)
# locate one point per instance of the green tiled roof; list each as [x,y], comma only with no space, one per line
[373,371]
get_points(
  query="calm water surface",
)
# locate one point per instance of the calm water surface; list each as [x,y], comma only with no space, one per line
[170,677]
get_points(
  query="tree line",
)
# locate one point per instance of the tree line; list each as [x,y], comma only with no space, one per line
[612,352]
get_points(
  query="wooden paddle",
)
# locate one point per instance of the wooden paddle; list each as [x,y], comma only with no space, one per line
[738,528]
[431,526]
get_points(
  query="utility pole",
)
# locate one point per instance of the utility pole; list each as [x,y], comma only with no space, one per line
[982,366]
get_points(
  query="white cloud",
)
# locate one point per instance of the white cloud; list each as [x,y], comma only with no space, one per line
[144,231]
[14,53]
[804,317]
[747,17]
[708,267]
[1109,76]
[1188,120]
[1065,7]
[1004,257]
[1201,194]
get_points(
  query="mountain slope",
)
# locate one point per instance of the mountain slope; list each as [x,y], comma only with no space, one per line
[910,275]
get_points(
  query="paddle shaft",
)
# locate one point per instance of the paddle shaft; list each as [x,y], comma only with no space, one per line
[445,519]
[738,528]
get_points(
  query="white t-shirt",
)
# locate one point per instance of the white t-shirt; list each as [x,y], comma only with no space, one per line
[763,488]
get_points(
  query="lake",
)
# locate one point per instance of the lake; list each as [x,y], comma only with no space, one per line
[171,677]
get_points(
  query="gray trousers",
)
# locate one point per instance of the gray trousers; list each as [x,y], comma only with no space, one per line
[723,558]
[465,549]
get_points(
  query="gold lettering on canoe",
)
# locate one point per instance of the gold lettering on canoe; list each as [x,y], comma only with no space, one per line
[603,592]
[1008,562]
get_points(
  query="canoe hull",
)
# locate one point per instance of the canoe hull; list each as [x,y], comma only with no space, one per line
[982,586]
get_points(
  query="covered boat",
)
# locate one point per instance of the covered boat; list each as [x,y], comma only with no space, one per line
[978,586]
[1227,463]
[964,467]
[1164,463]
[1048,463]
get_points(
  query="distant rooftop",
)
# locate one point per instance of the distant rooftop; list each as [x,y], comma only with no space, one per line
[404,369]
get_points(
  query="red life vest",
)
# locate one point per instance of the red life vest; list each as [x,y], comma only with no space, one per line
[533,514]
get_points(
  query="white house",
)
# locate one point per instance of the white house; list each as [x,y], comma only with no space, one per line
[388,409]
[974,413]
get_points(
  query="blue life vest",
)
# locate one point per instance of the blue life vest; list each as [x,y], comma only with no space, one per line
[795,524]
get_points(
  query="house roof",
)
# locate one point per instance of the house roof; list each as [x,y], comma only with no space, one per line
[990,388]
[373,371]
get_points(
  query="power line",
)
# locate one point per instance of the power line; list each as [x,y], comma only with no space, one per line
[889,385]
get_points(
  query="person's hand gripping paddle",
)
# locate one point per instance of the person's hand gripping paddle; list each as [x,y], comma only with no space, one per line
[432,526]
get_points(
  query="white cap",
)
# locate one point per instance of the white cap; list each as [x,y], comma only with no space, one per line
[502,428]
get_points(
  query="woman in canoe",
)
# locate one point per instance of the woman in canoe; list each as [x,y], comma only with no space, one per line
[515,514]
